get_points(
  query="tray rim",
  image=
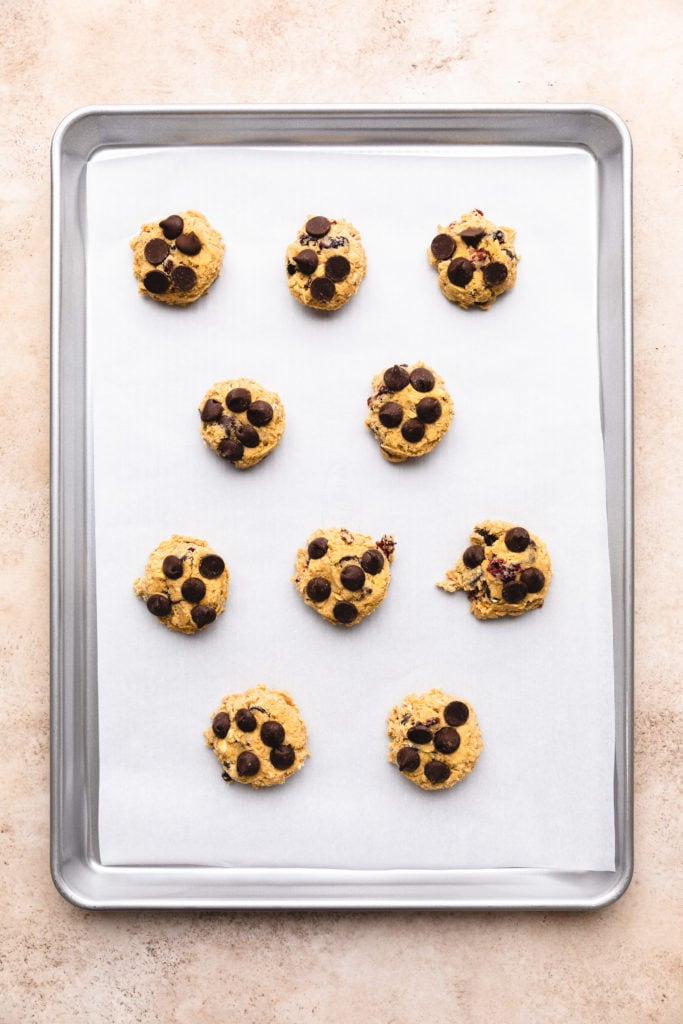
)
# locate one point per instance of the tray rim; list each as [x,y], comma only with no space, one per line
[79,878]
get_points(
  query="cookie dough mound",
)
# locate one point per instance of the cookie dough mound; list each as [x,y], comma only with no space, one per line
[410,411]
[241,421]
[185,585]
[176,260]
[475,260]
[326,263]
[258,736]
[505,570]
[344,576]
[434,739]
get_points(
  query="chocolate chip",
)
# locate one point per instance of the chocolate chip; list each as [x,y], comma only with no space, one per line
[291,269]
[495,273]
[419,734]
[282,757]
[156,251]
[316,227]
[156,282]
[306,261]
[318,547]
[413,431]
[533,579]
[352,577]
[212,411]
[272,734]
[260,413]
[245,720]
[437,771]
[447,740]
[318,589]
[345,612]
[517,539]
[514,592]
[248,435]
[202,615]
[248,764]
[193,589]
[159,605]
[322,289]
[460,272]
[472,236]
[408,759]
[230,449]
[428,410]
[396,378]
[473,556]
[372,561]
[337,268]
[390,415]
[221,724]
[184,278]
[188,243]
[172,567]
[499,236]
[238,400]
[211,567]
[422,379]
[172,226]
[443,247]
[456,713]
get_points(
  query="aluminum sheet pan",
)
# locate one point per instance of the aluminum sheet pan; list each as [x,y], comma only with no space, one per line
[84,866]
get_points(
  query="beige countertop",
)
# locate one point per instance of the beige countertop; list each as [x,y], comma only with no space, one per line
[60,964]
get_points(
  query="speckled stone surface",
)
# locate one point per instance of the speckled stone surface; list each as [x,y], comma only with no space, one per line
[59,964]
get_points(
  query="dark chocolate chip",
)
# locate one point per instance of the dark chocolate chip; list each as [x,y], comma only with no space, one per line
[248,764]
[337,268]
[533,579]
[422,379]
[184,278]
[460,272]
[437,771]
[318,547]
[291,269]
[473,556]
[221,724]
[499,236]
[248,435]
[188,243]
[172,226]
[211,567]
[272,733]
[495,273]
[456,713]
[517,539]
[238,400]
[428,410]
[202,615]
[212,411]
[443,247]
[447,740]
[372,561]
[352,577]
[419,734]
[390,415]
[306,261]
[472,236]
[172,567]
[514,592]
[396,378]
[156,251]
[345,612]
[408,759]
[193,589]
[159,605]
[245,720]
[282,757]
[322,289]
[489,538]
[260,413]
[316,227]
[413,431]
[318,589]
[231,449]
[156,282]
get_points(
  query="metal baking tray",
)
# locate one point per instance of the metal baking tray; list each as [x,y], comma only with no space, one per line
[77,868]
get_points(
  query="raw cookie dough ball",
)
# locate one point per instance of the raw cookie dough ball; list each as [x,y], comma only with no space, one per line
[343,575]
[505,570]
[434,739]
[185,585]
[326,264]
[475,259]
[258,736]
[410,411]
[241,421]
[176,260]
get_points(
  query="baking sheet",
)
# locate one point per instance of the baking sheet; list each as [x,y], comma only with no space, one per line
[526,445]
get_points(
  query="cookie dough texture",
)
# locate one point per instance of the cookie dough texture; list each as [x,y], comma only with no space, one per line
[475,260]
[410,411]
[258,736]
[344,576]
[241,421]
[177,259]
[504,571]
[434,739]
[185,585]
[326,263]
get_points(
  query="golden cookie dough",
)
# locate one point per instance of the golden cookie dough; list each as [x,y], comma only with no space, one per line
[505,571]
[410,411]
[326,263]
[434,739]
[176,260]
[258,736]
[241,421]
[185,585]
[342,575]
[475,259]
